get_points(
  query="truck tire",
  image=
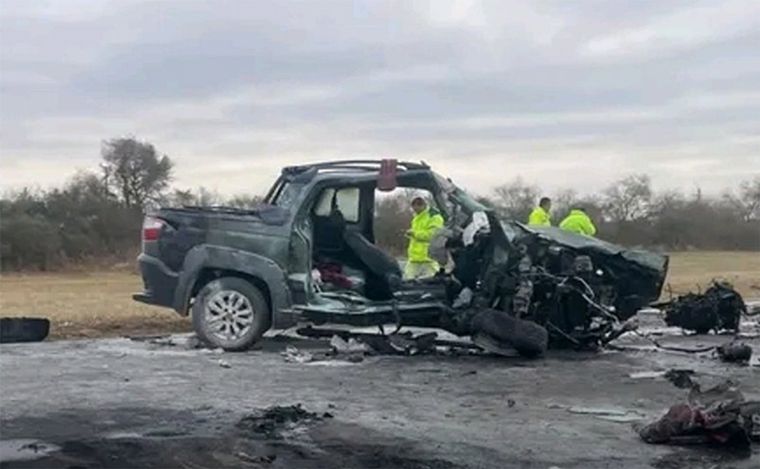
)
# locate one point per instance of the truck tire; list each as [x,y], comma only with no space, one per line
[527,337]
[230,313]
[23,329]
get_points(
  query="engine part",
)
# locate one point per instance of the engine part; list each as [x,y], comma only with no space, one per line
[719,308]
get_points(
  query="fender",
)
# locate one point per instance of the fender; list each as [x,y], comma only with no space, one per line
[206,256]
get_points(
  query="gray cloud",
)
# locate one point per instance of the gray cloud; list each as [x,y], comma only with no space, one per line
[484,91]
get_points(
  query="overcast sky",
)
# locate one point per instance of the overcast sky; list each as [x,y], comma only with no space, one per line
[562,93]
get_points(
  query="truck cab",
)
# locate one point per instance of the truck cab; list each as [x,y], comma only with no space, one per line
[241,272]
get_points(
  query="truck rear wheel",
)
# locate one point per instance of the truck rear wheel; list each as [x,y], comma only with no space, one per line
[230,313]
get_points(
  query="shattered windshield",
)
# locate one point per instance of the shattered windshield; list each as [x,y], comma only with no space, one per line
[286,194]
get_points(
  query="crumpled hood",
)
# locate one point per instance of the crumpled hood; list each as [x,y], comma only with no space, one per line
[651,260]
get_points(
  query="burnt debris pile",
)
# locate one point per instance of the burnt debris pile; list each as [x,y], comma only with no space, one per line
[735,351]
[271,422]
[717,309]
[717,416]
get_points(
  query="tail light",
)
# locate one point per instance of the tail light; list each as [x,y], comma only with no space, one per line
[151,229]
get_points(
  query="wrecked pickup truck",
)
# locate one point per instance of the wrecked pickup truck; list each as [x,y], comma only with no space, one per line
[307,254]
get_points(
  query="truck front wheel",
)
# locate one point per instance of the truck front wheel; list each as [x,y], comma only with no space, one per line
[230,313]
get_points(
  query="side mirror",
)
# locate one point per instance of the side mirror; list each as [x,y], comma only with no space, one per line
[386,180]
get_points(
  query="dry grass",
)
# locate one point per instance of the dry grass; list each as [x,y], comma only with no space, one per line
[690,271]
[100,304]
[86,305]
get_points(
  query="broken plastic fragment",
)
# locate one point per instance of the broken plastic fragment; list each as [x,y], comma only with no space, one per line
[24,450]
[293,355]
[479,222]
[610,414]
[464,299]
[647,374]
[224,363]
[348,346]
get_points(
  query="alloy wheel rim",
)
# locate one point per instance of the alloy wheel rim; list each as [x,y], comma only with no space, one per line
[229,315]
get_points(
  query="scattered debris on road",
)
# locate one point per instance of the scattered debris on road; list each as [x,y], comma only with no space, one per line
[295,355]
[224,363]
[397,343]
[24,450]
[682,379]
[735,351]
[719,416]
[271,422]
[409,344]
[610,414]
[350,346]
[718,308]
[647,374]
[336,355]
[263,459]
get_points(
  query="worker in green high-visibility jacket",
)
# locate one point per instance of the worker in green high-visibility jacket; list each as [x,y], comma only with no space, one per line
[425,223]
[541,215]
[579,222]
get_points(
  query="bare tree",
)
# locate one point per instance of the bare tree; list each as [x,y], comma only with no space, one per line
[201,197]
[515,199]
[244,201]
[135,171]
[392,218]
[177,198]
[207,197]
[747,201]
[628,199]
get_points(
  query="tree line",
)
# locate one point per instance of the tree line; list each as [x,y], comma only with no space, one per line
[96,216]
[629,212]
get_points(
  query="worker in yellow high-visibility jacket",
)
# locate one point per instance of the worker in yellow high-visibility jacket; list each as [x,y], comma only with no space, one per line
[578,221]
[541,215]
[425,223]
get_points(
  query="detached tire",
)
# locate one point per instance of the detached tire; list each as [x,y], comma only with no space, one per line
[230,313]
[23,330]
[527,337]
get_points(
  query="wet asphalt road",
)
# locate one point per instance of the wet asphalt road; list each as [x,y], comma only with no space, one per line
[126,403]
